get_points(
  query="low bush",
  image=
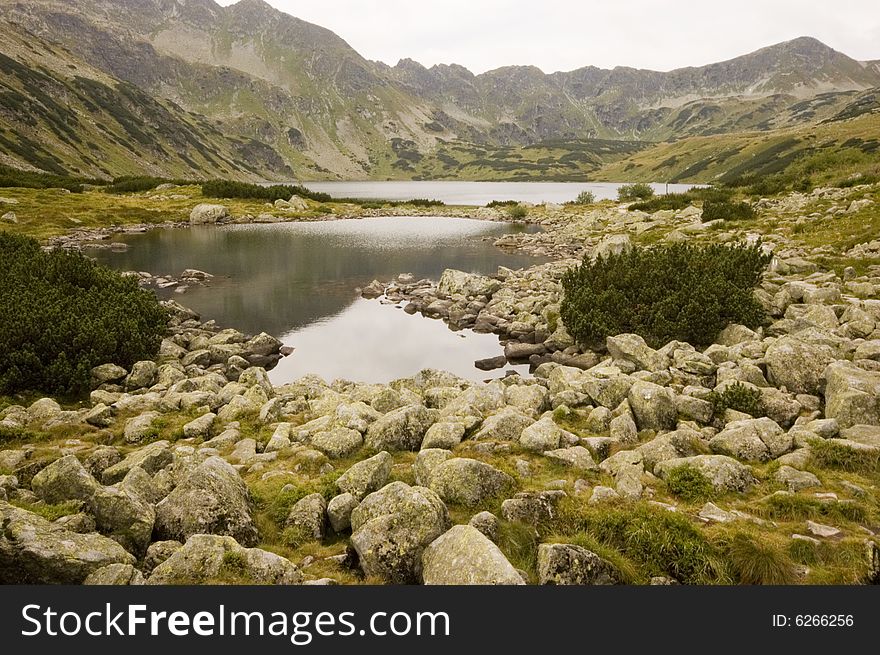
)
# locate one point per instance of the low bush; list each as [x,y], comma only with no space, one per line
[677,292]
[502,203]
[739,397]
[727,211]
[247,191]
[585,198]
[517,212]
[13,177]
[674,201]
[630,192]
[140,183]
[61,314]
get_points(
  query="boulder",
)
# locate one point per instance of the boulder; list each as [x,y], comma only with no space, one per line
[454,282]
[797,365]
[35,551]
[445,434]
[487,523]
[392,527]
[337,443]
[568,564]
[531,508]
[143,374]
[141,427]
[64,479]
[545,435]
[427,461]
[124,517]
[796,480]
[852,395]
[339,511]
[400,429]
[576,457]
[107,373]
[464,556]
[757,439]
[468,482]
[724,473]
[212,499]
[632,348]
[158,552]
[200,428]
[309,517]
[505,425]
[653,406]
[208,558]
[207,214]
[152,458]
[367,476]
[115,575]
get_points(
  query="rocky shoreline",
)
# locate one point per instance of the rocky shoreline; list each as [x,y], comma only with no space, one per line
[195,468]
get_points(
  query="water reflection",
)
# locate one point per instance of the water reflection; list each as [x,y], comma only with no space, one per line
[298,280]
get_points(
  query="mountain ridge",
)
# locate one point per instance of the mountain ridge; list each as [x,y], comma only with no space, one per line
[302,99]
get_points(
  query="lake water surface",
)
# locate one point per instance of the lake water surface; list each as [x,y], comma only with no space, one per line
[479,193]
[297,281]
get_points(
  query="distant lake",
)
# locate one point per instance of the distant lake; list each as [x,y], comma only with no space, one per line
[297,281]
[478,193]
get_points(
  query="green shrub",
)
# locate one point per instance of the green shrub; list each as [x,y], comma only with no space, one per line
[585,198]
[674,201]
[140,183]
[13,177]
[728,211]
[689,484]
[676,292]
[739,397]
[756,562]
[630,192]
[424,202]
[61,314]
[502,203]
[244,190]
[517,212]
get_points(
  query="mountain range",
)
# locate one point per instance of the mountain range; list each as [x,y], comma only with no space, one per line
[190,88]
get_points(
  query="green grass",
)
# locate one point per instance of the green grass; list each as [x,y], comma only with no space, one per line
[689,484]
[48,511]
[757,560]
[830,455]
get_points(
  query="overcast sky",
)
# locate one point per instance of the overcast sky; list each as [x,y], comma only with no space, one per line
[567,34]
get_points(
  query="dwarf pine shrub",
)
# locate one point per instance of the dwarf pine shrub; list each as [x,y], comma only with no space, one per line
[630,192]
[739,397]
[672,292]
[728,211]
[61,314]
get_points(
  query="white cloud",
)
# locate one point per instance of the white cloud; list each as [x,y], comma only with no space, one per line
[565,34]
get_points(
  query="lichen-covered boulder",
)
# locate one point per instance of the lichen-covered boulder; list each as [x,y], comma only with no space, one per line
[400,429]
[212,499]
[569,564]
[124,517]
[207,214]
[152,458]
[797,365]
[653,406]
[505,425]
[115,575]
[64,479]
[391,528]
[464,556]
[309,516]
[545,435]
[35,551]
[210,558]
[367,476]
[468,482]
[852,395]
[758,439]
